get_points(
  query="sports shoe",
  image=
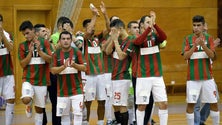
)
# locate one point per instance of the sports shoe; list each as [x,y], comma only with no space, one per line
[109,122]
[202,124]
[28,110]
[85,123]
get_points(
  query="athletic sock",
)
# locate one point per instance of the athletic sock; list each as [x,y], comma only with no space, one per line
[9,113]
[163,116]
[215,117]
[140,117]
[190,118]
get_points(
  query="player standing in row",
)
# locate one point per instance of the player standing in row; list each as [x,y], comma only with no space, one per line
[67,63]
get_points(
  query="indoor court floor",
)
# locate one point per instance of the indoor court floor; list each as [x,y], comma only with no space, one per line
[176,108]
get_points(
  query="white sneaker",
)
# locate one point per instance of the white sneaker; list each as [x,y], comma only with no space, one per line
[85,123]
[28,110]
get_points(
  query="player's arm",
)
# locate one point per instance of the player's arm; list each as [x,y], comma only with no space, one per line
[57,69]
[188,52]
[139,40]
[109,47]
[121,54]
[105,15]
[209,51]
[25,61]
[44,55]
[161,34]
[80,66]
[92,23]
[8,44]
[105,43]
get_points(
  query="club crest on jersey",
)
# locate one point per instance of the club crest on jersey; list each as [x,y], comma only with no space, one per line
[93,94]
[81,105]
[153,38]
[194,97]
[215,94]
[144,98]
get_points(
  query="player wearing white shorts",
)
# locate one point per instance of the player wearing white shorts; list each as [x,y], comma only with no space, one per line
[121,50]
[7,83]
[95,85]
[34,55]
[198,51]
[69,83]
[149,69]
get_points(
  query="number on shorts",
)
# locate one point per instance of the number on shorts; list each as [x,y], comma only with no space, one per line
[117,95]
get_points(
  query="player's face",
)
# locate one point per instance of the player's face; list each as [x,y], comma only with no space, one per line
[43,32]
[67,27]
[134,29]
[92,30]
[147,22]
[29,34]
[65,41]
[198,28]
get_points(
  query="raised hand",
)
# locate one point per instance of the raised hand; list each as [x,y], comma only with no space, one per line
[216,42]
[94,10]
[114,34]
[31,47]
[37,44]
[67,62]
[103,7]
[153,17]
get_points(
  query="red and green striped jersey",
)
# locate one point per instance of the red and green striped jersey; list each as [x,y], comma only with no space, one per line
[108,63]
[107,59]
[6,66]
[134,62]
[121,67]
[68,84]
[149,61]
[36,74]
[199,65]
[94,55]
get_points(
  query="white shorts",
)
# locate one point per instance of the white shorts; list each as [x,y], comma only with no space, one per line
[206,89]
[64,105]
[95,87]
[144,86]
[37,93]
[7,87]
[108,81]
[120,92]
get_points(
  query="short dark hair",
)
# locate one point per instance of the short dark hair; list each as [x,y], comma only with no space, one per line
[198,18]
[67,21]
[1,18]
[38,26]
[131,22]
[142,19]
[61,20]
[117,23]
[26,25]
[65,32]
[111,18]
[85,22]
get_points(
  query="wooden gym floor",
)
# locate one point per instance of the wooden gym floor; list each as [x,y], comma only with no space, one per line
[176,110]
